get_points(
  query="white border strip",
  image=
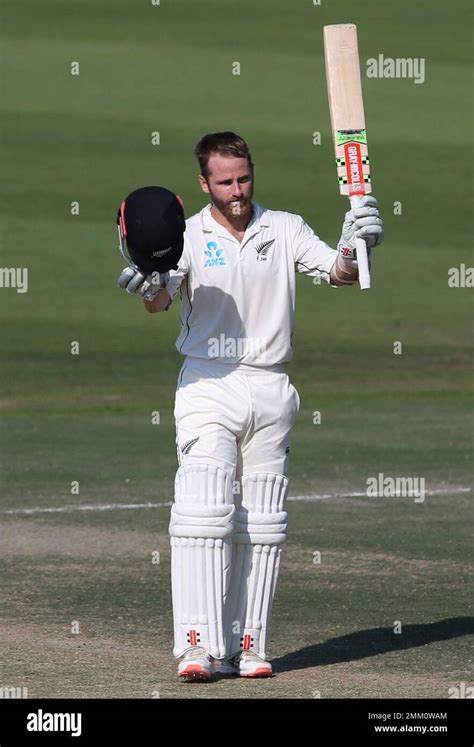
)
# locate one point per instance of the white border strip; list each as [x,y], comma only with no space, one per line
[123,506]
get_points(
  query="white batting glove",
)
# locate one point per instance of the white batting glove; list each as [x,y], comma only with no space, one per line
[363,222]
[132,280]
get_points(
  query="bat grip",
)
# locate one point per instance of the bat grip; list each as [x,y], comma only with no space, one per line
[362,257]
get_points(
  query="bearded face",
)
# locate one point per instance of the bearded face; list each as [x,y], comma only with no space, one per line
[230,185]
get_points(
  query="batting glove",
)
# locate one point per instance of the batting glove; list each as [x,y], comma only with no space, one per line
[362,222]
[132,280]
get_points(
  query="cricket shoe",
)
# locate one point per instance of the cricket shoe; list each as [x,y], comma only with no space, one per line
[246,664]
[196,665]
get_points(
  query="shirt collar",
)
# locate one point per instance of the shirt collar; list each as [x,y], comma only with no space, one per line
[259,219]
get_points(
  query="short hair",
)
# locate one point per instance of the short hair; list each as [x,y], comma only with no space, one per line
[226,143]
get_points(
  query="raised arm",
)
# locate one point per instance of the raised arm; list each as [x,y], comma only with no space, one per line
[337,266]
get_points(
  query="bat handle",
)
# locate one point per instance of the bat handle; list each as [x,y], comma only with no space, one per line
[362,257]
[363,262]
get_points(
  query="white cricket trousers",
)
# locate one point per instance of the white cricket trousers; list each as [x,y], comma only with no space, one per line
[233,416]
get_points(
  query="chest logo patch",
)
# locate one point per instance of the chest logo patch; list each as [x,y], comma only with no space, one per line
[262,249]
[214,257]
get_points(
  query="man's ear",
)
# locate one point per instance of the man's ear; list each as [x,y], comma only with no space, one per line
[203,183]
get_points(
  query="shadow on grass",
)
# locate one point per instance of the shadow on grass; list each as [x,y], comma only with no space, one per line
[372,642]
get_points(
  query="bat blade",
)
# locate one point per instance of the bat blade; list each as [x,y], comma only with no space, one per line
[346,106]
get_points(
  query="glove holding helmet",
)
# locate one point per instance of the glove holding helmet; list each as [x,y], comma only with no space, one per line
[146,286]
[151,225]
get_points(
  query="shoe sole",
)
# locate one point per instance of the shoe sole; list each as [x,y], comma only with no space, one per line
[195,673]
[261,672]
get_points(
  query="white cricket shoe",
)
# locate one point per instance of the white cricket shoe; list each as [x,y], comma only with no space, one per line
[196,665]
[246,664]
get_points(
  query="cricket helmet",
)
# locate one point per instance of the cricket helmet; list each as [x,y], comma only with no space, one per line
[151,225]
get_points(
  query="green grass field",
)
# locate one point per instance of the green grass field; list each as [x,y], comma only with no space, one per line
[87,417]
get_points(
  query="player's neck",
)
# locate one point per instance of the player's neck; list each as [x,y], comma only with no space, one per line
[237,225]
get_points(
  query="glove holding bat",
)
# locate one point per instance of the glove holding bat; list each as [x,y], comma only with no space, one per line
[362,222]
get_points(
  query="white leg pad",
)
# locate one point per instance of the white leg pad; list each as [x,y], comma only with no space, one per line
[201,546]
[259,533]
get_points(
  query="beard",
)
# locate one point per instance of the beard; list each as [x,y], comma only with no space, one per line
[232,209]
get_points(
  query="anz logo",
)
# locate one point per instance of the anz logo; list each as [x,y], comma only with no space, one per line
[214,256]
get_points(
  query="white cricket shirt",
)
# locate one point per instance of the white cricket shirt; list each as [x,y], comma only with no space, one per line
[238,298]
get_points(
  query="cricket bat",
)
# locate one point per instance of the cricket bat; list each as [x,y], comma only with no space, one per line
[346,106]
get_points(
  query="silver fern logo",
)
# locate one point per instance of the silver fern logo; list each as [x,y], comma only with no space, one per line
[189,445]
[162,252]
[262,249]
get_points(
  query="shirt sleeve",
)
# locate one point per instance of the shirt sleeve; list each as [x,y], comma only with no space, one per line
[312,255]
[177,276]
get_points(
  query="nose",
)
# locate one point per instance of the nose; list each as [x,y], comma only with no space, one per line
[237,190]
